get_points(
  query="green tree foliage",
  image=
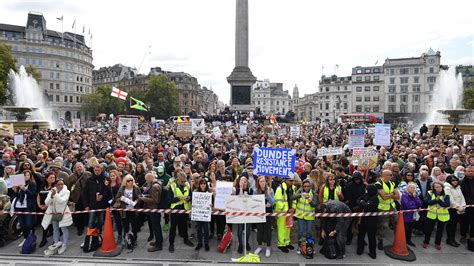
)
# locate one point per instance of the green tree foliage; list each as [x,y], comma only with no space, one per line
[7,62]
[100,101]
[469,98]
[35,73]
[162,97]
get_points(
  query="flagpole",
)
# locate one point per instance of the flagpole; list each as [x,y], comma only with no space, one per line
[62,28]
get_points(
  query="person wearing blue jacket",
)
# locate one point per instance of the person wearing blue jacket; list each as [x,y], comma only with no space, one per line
[24,201]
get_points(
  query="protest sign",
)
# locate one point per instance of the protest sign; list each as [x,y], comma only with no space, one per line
[17,180]
[356,138]
[382,135]
[134,123]
[223,190]
[142,138]
[243,130]
[228,123]
[18,139]
[466,139]
[152,119]
[198,126]
[356,152]
[216,132]
[329,151]
[245,203]
[76,123]
[201,210]
[216,123]
[282,131]
[124,126]
[274,162]
[295,132]
[368,160]
[184,130]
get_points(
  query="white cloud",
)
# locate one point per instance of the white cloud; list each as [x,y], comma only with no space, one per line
[289,40]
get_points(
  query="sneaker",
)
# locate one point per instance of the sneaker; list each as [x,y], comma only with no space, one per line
[198,247]
[206,247]
[298,251]
[62,249]
[171,249]
[55,245]
[284,249]
[43,242]
[290,247]
[82,244]
[166,227]
[257,250]
[267,252]
[438,247]
[21,243]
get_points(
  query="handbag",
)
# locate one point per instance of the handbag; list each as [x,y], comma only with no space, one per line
[57,217]
[416,216]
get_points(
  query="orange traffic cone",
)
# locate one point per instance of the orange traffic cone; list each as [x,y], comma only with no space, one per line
[399,249]
[109,247]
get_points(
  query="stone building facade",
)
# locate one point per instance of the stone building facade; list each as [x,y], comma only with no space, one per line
[270,98]
[334,97]
[63,59]
[367,89]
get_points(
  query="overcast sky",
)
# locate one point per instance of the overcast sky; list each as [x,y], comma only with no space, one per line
[290,40]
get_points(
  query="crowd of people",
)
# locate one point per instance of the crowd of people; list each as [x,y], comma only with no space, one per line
[90,169]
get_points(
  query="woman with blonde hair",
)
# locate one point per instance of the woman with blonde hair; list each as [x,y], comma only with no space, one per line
[126,198]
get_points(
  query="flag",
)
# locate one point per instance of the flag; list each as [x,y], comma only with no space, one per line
[274,122]
[118,94]
[61,18]
[74,24]
[139,105]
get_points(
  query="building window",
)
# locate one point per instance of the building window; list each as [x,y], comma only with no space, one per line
[359,79]
[404,88]
[358,108]
[359,99]
[57,86]
[57,98]
[431,70]
[431,79]
[416,98]
[327,106]
[392,80]
[51,86]
[416,88]
[327,88]
[345,96]
[376,88]
[416,108]
[431,87]
[391,98]
[376,78]
[345,88]
[65,98]
[416,79]
[403,80]
[367,78]
[327,97]
[404,98]
[391,109]
[376,70]
[359,71]
[345,106]
[367,108]
[416,70]
[258,103]
[403,108]
[392,71]
[278,102]
[376,98]
[404,71]
[367,71]
[358,89]
[392,89]
[367,88]
[375,108]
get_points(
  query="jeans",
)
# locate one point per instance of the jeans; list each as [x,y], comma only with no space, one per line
[96,220]
[305,226]
[240,230]
[56,234]
[155,219]
[26,222]
[202,229]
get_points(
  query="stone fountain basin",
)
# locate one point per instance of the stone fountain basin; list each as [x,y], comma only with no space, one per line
[454,112]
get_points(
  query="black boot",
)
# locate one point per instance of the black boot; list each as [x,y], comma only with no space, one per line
[44,238]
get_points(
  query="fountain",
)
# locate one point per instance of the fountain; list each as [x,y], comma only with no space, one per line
[446,106]
[28,102]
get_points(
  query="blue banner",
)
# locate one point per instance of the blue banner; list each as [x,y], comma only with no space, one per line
[274,162]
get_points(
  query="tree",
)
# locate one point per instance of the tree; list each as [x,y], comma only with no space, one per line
[100,101]
[469,98]
[35,73]
[162,97]
[7,62]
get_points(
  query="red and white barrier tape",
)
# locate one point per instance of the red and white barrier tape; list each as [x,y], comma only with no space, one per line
[277,214]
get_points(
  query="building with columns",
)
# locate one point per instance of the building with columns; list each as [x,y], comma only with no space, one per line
[63,59]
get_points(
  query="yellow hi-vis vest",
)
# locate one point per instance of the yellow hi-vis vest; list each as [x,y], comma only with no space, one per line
[385,205]
[436,211]
[326,193]
[302,206]
[281,198]
[177,193]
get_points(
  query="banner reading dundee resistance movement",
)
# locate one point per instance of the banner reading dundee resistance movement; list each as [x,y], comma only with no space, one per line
[274,162]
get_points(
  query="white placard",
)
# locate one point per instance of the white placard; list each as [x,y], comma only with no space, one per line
[198,126]
[223,189]
[142,138]
[243,130]
[228,123]
[134,123]
[382,135]
[295,132]
[18,139]
[124,126]
[356,138]
[152,120]
[16,180]
[356,152]
[216,132]
[76,123]
[201,210]
[216,123]
[329,151]
[243,203]
[466,139]
[251,114]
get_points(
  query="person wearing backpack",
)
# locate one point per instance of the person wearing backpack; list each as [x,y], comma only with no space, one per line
[24,201]
[58,215]
[151,198]
[336,227]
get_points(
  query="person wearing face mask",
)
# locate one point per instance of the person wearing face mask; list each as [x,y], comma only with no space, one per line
[467,188]
[453,190]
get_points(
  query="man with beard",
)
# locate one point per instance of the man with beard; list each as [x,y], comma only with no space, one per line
[77,183]
[95,197]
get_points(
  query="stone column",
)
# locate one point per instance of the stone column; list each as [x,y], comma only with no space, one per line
[242,33]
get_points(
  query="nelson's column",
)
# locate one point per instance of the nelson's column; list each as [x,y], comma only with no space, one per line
[241,79]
